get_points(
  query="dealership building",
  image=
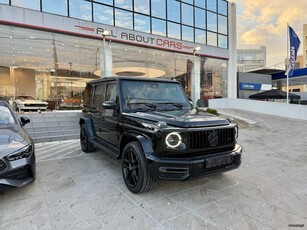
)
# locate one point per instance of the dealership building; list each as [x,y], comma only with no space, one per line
[51,48]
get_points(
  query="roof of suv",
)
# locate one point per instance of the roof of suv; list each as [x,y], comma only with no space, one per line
[113,78]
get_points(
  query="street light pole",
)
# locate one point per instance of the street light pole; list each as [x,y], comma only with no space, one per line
[105,34]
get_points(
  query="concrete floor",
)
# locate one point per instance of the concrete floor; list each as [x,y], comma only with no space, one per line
[75,190]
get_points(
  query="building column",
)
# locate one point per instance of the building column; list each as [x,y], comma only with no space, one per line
[106,61]
[232,63]
[195,83]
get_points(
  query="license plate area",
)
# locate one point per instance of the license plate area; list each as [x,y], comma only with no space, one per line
[217,162]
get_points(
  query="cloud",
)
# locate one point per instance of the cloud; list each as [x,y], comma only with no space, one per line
[264,22]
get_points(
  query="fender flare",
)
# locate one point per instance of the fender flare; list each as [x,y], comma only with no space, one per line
[89,126]
[144,140]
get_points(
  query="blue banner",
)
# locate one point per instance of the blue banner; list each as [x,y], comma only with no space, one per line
[294,45]
[250,86]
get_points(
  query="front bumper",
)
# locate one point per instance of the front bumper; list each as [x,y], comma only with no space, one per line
[17,173]
[194,167]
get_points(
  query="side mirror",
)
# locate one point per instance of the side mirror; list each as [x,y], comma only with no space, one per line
[24,121]
[109,105]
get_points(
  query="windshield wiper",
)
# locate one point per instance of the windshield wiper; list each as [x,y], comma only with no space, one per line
[173,103]
[144,103]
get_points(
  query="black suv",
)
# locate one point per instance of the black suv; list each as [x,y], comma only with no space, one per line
[150,125]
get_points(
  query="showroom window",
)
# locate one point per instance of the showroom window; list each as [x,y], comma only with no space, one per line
[158,8]
[211,5]
[142,23]
[212,21]
[141,6]
[158,27]
[108,2]
[55,7]
[124,4]
[103,14]
[33,4]
[222,7]
[173,7]
[187,33]
[123,19]
[200,18]
[80,9]
[173,30]
[187,14]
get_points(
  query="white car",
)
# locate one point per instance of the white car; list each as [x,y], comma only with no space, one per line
[28,103]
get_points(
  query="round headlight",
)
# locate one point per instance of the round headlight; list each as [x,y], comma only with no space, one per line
[173,140]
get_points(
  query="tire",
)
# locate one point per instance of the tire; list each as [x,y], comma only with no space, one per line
[135,169]
[86,145]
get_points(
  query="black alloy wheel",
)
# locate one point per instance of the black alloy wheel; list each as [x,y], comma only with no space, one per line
[86,145]
[135,170]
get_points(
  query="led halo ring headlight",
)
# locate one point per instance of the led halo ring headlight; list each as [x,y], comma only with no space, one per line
[173,140]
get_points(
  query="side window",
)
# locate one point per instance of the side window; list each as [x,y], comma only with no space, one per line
[88,96]
[111,92]
[99,96]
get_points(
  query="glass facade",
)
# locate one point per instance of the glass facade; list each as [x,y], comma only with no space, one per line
[207,18]
[60,65]
[53,66]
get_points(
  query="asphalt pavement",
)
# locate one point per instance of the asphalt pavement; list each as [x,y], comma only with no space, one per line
[75,190]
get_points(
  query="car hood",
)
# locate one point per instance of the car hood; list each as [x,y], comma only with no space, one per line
[31,101]
[12,139]
[179,118]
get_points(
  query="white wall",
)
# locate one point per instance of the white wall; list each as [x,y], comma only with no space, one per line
[266,107]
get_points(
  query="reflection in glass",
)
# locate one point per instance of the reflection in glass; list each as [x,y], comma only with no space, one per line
[55,7]
[187,14]
[141,6]
[223,42]
[213,78]
[103,14]
[80,9]
[200,18]
[173,30]
[142,23]
[34,4]
[200,36]
[173,7]
[222,7]
[200,3]
[211,39]
[125,4]
[188,1]
[4,1]
[158,8]
[187,33]
[212,21]
[158,27]
[109,2]
[123,19]
[223,26]
[211,5]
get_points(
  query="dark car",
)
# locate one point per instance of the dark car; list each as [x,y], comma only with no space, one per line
[17,157]
[150,125]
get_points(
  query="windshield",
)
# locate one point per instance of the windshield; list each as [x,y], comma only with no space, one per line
[6,118]
[153,95]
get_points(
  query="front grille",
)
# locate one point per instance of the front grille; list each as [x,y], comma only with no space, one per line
[34,105]
[209,139]
[19,174]
[2,166]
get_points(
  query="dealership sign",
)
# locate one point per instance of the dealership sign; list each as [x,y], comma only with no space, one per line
[255,86]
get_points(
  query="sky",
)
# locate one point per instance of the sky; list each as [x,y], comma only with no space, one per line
[263,22]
